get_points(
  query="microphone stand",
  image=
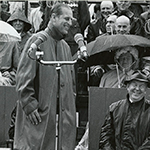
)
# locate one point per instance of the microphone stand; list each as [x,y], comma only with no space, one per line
[58,68]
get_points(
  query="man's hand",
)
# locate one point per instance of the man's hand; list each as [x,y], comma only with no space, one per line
[34,117]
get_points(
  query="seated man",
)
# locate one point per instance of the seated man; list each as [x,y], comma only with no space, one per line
[127,124]
[126,62]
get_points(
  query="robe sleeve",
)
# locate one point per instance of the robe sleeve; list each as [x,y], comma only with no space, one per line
[26,74]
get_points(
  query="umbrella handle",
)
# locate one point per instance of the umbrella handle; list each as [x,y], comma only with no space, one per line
[119,82]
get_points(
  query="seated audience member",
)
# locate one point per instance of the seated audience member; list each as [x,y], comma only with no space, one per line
[127,123]
[99,27]
[9,56]
[122,25]
[99,70]
[20,22]
[126,62]
[123,9]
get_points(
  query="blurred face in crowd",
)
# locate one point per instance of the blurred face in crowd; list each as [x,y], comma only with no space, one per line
[126,59]
[4,6]
[122,25]
[137,90]
[106,8]
[123,5]
[63,21]
[110,25]
[18,25]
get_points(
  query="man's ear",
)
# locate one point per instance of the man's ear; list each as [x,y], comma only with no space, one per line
[53,16]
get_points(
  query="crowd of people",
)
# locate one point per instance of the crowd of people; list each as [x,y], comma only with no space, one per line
[34,118]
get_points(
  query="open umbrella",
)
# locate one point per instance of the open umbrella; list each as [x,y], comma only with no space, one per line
[8,33]
[102,50]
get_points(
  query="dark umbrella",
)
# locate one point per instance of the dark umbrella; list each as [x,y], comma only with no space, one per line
[102,50]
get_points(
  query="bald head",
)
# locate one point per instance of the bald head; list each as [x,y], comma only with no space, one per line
[106,8]
[122,25]
[107,3]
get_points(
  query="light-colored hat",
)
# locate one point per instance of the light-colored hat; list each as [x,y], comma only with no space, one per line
[132,50]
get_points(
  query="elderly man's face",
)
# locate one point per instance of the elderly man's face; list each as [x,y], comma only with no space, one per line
[122,27]
[110,25]
[123,5]
[64,21]
[137,90]
[106,10]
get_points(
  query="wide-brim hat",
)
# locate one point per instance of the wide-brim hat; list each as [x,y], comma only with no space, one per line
[19,15]
[139,76]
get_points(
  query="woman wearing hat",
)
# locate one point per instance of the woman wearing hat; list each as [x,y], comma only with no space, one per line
[20,22]
[126,62]
[127,124]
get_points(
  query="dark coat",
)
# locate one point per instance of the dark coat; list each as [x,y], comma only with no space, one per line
[95,29]
[37,88]
[127,126]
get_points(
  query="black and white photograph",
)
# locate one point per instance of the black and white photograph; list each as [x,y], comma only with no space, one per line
[74,75]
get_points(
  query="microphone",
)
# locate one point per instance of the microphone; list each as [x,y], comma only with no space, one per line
[43,37]
[80,41]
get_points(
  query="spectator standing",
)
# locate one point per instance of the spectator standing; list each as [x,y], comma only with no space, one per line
[37,88]
[20,22]
[127,123]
